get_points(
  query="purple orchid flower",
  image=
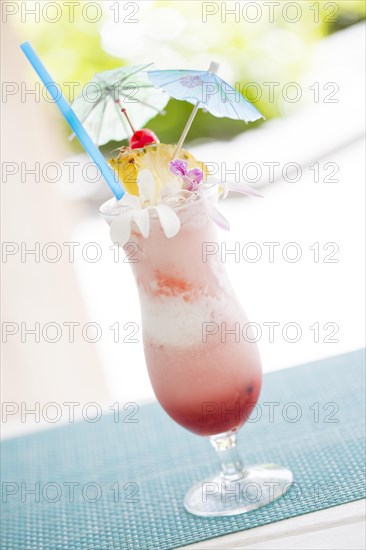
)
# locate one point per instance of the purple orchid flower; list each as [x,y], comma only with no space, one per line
[192,178]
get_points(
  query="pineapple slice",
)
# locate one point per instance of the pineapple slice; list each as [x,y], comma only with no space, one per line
[156,158]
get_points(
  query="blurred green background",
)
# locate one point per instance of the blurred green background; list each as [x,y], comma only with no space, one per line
[174,35]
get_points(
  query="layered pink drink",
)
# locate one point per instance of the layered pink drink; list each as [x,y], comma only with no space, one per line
[205,372]
[204,378]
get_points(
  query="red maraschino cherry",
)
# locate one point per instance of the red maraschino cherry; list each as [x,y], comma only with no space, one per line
[142,137]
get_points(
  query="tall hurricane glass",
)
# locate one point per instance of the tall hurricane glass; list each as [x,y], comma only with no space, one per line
[204,377]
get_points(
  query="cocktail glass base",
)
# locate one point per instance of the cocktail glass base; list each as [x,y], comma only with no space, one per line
[257,486]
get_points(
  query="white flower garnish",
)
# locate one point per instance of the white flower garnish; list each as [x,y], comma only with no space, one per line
[138,207]
[139,211]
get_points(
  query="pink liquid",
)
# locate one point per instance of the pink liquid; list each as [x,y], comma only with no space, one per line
[207,383]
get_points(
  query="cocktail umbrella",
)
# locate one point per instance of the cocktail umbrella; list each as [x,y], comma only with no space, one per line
[99,105]
[207,91]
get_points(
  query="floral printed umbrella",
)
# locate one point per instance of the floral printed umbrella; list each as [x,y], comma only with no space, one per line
[207,91]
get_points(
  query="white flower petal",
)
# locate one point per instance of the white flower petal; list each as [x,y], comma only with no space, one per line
[130,200]
[168,219]
[211,189]
[225,190]
[121,228]
[216,215]
[242,188]
[170,189]
[146,185]
[236,187]
[142,220]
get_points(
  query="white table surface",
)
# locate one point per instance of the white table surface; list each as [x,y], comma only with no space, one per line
[337,528]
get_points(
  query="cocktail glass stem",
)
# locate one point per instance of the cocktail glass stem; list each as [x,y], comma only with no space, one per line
[226,448]
[238,488]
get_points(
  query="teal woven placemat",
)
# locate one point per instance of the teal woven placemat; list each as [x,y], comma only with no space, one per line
[120,485]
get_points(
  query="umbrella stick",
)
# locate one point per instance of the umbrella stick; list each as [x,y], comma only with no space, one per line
[186,130]
[213,68]
[128,120]
[120,117]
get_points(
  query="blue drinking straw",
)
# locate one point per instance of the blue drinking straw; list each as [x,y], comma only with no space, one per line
[73,120]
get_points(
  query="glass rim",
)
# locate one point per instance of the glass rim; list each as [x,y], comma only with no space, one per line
[112,207]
